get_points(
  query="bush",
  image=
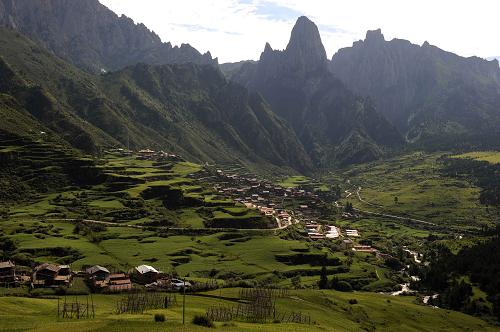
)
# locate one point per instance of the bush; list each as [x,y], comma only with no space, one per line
[343,286]
[203,320]
[353,301]
[159,318]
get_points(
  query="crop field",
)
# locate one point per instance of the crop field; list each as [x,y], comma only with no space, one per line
[329,310]
[492,157]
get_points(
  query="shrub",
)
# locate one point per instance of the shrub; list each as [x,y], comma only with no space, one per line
[353,301]
[203,320]
[343,286]
[159,318]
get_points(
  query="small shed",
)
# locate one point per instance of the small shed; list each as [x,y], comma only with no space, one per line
[347,244]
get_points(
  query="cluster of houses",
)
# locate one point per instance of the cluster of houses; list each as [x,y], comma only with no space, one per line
[317,231]
[145,154]
[98,278]
[148,154]
[42,276]
[266,197]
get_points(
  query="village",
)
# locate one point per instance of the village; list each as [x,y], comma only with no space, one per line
[99,279]
[286,207]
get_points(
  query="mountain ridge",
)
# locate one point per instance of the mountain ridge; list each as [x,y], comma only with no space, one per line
[91,36]
[426,92]
[188,109]
[326,116]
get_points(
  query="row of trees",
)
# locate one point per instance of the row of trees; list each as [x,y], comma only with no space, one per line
[334,283]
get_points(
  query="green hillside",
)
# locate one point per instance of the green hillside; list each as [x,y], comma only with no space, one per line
[329,311]
[187,109]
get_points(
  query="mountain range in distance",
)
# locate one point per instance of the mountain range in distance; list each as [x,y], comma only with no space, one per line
[293,108]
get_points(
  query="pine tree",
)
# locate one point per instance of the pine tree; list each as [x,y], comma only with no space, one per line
[323,279]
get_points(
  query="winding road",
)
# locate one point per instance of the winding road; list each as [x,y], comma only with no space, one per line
[382,214]
[118,224]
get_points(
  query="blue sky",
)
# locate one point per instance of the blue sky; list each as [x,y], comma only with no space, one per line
[236,30]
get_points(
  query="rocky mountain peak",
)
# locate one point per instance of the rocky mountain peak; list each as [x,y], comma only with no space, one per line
[268,48]
[305,48]
[374,36]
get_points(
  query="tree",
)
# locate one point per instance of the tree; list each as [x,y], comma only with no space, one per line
[348,207]
[337,192]
[296,282]
[349,261]
[323,278]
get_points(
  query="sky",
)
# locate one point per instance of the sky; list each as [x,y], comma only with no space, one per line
[235,30]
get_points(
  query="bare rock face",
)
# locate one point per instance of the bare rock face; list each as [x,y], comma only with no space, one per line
[91,36]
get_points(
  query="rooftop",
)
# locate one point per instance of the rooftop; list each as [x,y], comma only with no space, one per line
[5,265]
[142,269]
[96,268]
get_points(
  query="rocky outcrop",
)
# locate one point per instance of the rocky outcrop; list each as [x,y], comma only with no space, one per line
[91,36]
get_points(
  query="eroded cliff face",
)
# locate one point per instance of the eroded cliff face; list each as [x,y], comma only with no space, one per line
[91,36]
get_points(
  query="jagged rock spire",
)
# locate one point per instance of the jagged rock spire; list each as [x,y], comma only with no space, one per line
[305,48]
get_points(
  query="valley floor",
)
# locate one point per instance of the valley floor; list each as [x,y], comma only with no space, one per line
[163,214]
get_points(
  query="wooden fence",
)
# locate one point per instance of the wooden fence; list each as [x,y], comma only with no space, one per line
[77,309]
[139,302]
[261,307]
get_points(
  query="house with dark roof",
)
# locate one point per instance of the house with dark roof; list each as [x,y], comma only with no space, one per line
[96,276]
[100,279]
[97,272]
[51,275]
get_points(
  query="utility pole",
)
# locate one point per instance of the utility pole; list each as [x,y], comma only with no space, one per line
[184,302]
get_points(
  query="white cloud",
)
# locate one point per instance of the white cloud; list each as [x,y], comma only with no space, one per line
[236,30]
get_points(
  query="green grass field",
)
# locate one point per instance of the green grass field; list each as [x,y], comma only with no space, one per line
[128,198]
[413,185]
[329,311]
[294,181]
